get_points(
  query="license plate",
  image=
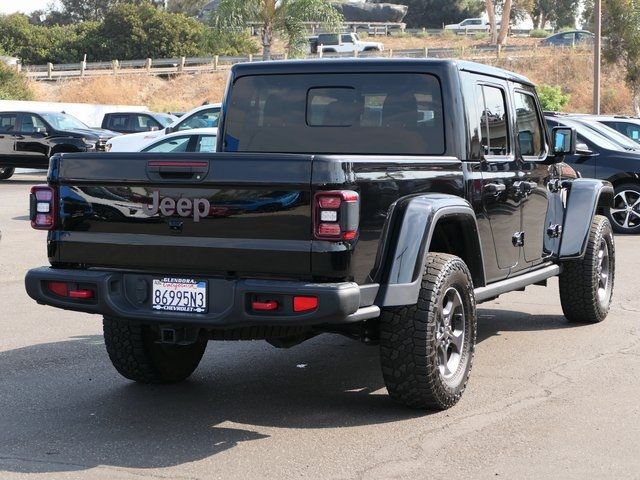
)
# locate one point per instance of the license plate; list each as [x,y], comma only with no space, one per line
[179,295]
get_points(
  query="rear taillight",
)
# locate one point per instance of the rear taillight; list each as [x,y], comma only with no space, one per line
[336,215]
[70,290]
[42,211]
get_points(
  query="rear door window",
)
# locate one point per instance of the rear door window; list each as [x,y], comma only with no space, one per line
[8,122]
[336,113]
[206,144]
[170,145]
[118,122]
[491,108]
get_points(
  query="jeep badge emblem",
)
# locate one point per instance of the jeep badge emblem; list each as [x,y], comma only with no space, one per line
[183,207]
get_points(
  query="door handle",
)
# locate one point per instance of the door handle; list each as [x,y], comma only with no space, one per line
[495,188]
[524,188]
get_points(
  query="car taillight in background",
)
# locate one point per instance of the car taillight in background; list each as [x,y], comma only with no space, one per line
[42,207]
[336,215]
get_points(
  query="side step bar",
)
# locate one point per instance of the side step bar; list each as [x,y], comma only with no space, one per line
[510,284]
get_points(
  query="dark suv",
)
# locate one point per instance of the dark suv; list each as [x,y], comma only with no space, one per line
[29,139]
[135,122]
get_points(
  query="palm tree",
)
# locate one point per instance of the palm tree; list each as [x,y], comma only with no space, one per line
[285,17]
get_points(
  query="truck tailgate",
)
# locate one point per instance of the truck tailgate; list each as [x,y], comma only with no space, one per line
[218,213]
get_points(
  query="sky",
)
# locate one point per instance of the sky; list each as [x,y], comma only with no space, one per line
[25,6]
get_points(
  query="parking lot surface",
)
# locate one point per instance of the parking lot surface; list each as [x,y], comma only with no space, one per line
[546,399]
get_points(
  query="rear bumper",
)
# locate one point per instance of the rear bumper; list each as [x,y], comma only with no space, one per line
[128,295]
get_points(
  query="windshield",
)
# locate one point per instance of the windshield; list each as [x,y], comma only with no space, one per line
[588,134]
[611,134]
[166,120]
[63,121]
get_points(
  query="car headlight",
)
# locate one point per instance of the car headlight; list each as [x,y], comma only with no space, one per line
[108,147]
[90,144]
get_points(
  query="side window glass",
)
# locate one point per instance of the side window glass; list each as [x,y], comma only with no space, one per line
[8,122]
[528,124]
[118,122]
[202,119]
[142,123]
[171,145]
[30,123]
[206,144]
[493,121]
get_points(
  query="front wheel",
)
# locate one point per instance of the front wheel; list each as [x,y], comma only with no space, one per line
[625,213]
[427,349]
[137,355]
[586,285]
[6,172]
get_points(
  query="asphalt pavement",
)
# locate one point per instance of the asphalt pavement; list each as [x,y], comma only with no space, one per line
[546,399]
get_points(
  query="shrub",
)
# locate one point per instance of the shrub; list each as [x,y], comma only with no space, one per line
[538,33]
[224,42]
[482,35]
[448,34]
[13,85]
[552,98]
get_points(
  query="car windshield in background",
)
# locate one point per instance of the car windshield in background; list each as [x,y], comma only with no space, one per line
[348,113]
[588,134]
[165,120]
[611,134]
[63,121]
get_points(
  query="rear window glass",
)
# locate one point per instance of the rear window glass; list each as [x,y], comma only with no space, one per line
[346,113]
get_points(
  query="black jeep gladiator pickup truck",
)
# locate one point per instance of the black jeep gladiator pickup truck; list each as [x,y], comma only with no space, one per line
[379,199]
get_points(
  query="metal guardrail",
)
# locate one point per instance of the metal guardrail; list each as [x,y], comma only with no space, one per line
[172,66]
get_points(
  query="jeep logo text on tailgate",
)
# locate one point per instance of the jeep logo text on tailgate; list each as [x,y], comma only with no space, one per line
[183,207]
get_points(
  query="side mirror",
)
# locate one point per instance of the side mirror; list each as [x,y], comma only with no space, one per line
[153,129]
[563,141]
[583,150]
[169,130]
[41,130]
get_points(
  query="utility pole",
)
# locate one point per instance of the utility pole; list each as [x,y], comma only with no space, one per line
[596,56]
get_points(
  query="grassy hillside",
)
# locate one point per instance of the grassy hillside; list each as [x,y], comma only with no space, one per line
[572,70]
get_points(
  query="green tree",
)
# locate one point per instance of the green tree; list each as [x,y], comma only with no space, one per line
[560,13]
[552,98]
[13,85]
[621,26]
[435,13]
[284,17]
[142,31]
[190,8]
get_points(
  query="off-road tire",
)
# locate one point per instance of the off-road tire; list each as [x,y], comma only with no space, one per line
[409,338]
[6,172]
[625,196]
[135,354]
[583,297]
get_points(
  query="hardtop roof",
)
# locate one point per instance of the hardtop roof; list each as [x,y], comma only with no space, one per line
[384,64]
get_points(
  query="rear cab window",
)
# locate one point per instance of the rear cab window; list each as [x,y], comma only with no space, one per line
[391,113]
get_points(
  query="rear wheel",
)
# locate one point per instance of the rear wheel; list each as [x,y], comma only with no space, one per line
[6,172]
[427,349]
[586,285]
[136,354]
[625,214]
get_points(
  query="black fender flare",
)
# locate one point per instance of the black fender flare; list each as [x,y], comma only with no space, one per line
[584,197]
[405,261]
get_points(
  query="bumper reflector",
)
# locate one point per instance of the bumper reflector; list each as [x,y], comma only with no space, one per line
[304,304]
[264,306]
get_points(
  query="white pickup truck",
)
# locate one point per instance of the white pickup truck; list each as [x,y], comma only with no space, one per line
[343,43]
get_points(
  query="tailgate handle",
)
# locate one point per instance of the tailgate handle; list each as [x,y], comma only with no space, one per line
[173,169]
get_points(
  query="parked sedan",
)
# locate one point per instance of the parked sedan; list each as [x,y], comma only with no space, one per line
[569,39]
[205,116]
[199,140]
[599,157]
